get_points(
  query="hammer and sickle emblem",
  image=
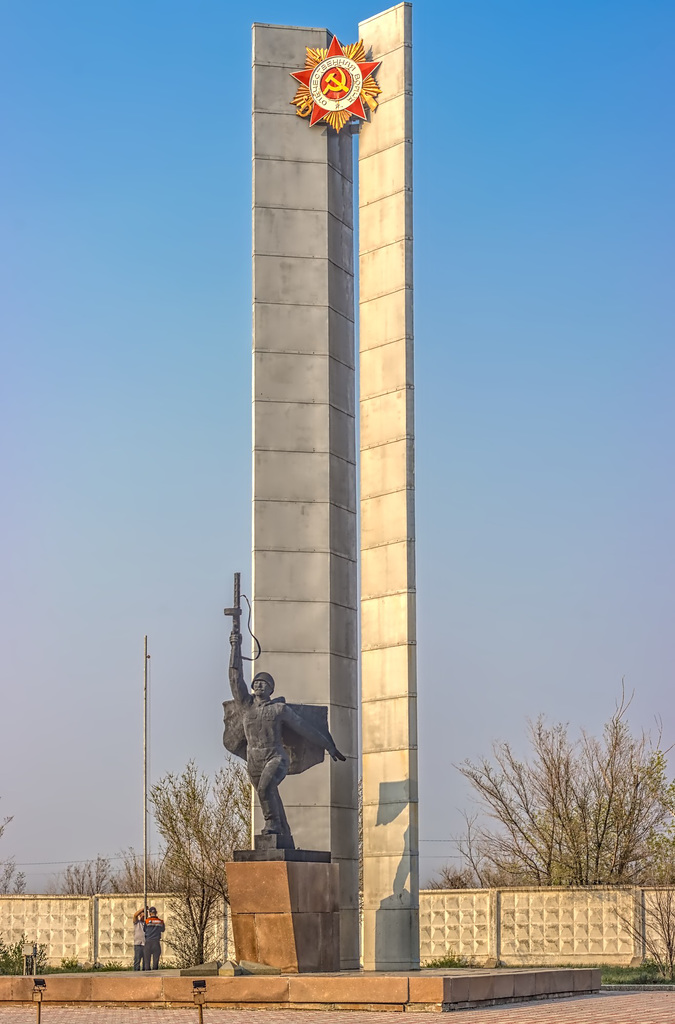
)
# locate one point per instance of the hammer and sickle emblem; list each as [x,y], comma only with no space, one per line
[336,81]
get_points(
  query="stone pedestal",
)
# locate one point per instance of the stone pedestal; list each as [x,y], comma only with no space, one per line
[285,912]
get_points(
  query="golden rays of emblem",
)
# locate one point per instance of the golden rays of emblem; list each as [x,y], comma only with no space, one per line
[335,84]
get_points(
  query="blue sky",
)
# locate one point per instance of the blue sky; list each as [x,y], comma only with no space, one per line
[544,374]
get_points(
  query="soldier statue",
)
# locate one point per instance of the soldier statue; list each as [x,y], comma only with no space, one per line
[274,738]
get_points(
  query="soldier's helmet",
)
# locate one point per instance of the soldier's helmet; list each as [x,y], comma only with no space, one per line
[265,677]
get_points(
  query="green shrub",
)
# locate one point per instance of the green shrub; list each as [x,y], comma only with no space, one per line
[11,957]
[70,965]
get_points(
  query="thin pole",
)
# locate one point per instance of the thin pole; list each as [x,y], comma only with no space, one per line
[145,775]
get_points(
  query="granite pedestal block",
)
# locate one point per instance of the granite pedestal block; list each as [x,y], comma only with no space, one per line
[286,912]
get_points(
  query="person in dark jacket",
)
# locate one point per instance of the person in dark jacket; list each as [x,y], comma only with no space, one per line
[152,950]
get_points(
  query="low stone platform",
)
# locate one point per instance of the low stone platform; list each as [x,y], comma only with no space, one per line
[423,991]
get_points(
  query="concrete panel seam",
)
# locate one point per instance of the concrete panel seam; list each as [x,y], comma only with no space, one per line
[308,501]
[389,646]
[307,551]
[380,295]
[392,440]
[300,160]
[302,451]
[301,209]
[376,248]
[371,156]
[393,96]
[389,593]
[295,352]
[327,162]
[312,451]
[408,746]
[385,245]
[389,391]
[310,259]
[373,202]
[408,694]
[392,341]
[305,160]
[276,113]
[384,544]
[317,650]
[338,225]
[314,305]
[303,305]
[321,405]
[330,604]
[386,148]
[381,54]
[390,543]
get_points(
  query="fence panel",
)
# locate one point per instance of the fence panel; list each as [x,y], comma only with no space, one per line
[63,923]
[114,927]
[532,925]
[455,921]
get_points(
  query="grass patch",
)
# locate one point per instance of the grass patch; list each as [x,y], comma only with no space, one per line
[646,974]
[70,965]
[451,960]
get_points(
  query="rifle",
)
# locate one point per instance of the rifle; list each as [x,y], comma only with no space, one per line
[235,611]
[235,614]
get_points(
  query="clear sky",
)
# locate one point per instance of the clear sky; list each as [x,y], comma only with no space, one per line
[544,169]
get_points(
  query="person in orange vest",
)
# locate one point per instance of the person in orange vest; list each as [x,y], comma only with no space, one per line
[152,950]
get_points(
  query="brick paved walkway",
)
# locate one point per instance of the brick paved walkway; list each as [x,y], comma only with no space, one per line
[608,1008]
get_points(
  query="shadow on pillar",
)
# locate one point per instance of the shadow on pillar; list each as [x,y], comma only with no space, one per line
[393,800]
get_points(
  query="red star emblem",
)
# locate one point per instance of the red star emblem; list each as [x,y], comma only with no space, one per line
[337,82]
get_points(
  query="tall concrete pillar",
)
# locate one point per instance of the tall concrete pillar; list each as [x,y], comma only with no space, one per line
[388,660]
[304,493]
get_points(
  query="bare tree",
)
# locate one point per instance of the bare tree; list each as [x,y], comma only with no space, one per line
[658,915]
[129,877]
[573,813]
[201,823]
[85,878]
[450,877]
[12,881]
[3,824]
[475,870]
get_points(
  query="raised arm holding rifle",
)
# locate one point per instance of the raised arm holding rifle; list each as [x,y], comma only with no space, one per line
[265,722]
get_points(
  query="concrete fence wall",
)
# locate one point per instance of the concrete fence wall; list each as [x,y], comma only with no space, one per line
[93,929]
[525,926]
[515,926]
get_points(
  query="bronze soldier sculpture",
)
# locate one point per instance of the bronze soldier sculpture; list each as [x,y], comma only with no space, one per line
[275,738]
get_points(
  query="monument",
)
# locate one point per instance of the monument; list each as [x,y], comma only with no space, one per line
[268,734]
[284,902]
[314,98]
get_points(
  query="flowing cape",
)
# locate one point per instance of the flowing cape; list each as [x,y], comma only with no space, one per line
[302,753]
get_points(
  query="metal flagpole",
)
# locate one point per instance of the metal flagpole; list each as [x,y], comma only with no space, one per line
[145,775]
